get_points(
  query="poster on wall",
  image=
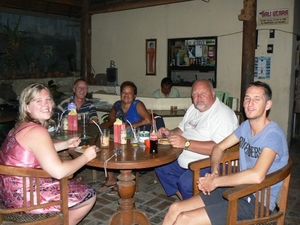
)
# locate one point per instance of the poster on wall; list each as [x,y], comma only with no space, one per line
[273,16]
[262,67]
[151,57]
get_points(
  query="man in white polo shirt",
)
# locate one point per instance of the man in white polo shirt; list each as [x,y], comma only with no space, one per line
[207,122]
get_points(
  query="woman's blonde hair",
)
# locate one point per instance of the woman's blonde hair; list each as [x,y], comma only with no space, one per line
[27,95]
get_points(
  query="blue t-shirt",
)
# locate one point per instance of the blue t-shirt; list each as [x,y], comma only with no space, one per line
[131,115]
[273,137]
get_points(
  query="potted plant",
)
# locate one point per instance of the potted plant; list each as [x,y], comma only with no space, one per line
[54,68]
[57,95]
[14,39]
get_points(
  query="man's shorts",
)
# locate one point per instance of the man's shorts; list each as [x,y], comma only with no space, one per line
[216,206]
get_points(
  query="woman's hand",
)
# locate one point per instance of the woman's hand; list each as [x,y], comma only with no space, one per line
[73,142]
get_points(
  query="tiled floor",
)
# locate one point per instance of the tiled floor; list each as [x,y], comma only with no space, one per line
[152,199]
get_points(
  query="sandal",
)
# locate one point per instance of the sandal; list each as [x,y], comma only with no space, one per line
[79,179]
[105,187]
[113,190]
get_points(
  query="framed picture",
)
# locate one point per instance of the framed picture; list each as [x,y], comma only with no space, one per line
[151,56]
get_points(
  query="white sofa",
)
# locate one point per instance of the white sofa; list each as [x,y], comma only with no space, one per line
[151,103]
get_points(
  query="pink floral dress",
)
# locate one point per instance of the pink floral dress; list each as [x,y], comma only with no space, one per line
[14,154]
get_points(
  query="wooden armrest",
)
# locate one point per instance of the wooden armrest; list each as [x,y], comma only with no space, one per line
[28,172]
[70,176]
[199,164]
[246,189]
[196,166]
[229,154]
[264,190]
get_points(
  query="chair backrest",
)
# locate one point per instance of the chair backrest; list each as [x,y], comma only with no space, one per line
[229,164]
[31,180]
[261,215]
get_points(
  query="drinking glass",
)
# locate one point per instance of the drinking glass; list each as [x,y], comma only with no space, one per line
[134,139]
[104,138]
[57,120]
[84,123]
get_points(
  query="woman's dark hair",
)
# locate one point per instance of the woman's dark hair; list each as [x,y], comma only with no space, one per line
[131,84]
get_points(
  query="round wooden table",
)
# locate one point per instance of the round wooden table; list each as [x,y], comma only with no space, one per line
[130,157]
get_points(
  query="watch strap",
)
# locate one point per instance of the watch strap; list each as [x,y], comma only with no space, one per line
[187,144]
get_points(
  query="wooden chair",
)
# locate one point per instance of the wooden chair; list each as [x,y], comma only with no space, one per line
[17,215]
[137,175]
[261,216]
[230,160]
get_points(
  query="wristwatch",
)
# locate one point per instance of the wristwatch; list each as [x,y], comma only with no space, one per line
[187,144]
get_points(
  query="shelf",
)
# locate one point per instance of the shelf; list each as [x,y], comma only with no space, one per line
[192,58]
[183,84]
[197,68]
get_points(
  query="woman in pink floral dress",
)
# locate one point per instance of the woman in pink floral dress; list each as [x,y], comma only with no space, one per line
[29,145]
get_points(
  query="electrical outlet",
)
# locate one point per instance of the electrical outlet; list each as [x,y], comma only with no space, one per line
[272,33]
[270,49]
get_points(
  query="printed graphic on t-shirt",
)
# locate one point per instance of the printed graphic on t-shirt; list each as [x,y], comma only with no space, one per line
[193,124]
[250,151]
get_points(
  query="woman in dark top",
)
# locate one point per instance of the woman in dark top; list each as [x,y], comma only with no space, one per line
[128,108]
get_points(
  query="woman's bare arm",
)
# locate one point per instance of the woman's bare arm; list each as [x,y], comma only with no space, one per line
[38,141]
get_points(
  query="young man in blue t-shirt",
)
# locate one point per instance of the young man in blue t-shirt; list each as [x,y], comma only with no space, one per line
[263,150]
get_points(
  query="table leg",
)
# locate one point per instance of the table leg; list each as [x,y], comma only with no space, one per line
[127,214]
[94,175]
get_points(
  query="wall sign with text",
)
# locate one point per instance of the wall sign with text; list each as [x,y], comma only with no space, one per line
[273,16]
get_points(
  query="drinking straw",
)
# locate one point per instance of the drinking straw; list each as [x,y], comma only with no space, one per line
[132,130]
[98,127]
[59,121]
[152,114]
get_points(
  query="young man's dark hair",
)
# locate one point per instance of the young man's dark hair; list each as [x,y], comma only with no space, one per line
[266,87]
[267,91]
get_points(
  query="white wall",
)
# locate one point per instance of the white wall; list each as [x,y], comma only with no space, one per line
[121,36]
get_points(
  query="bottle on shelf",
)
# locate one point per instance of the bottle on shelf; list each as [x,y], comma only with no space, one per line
[72,115]
[153,138]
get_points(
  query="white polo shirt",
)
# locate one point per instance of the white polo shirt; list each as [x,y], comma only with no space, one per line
[214,124]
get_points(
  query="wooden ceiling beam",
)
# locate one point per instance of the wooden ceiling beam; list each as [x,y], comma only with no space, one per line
[27,4]
[75,3]
[73,8]
[131,5]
